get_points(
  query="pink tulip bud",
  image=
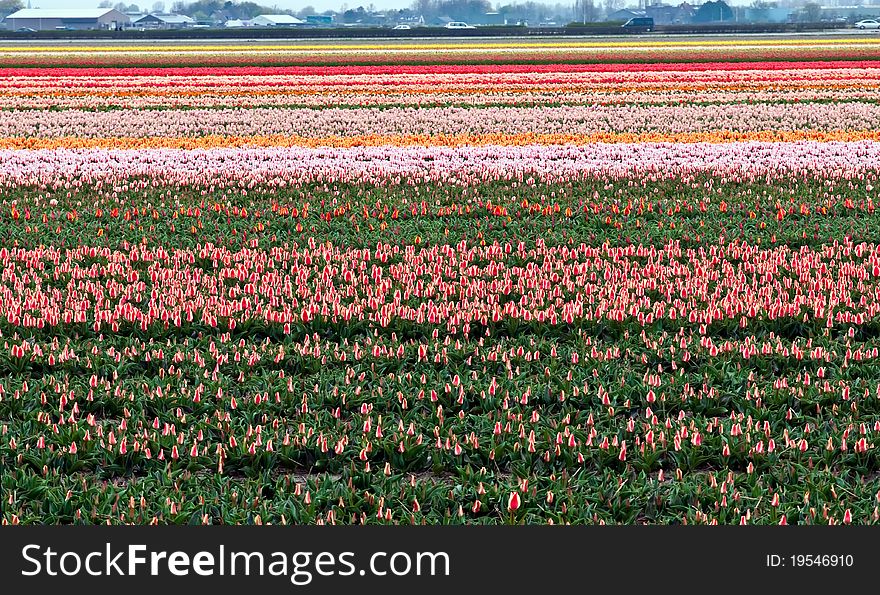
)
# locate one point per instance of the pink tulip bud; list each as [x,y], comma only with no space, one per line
[513,502]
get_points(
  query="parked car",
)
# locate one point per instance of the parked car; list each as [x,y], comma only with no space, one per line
[458,25]
[401,28]
[25,30]
[868,24]
[641,23]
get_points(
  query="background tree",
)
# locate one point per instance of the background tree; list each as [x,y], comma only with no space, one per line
[584,11]
[612,5]
[7,7]
[811,12]
[713,12]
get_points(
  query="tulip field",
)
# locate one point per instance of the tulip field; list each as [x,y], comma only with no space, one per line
[622,282]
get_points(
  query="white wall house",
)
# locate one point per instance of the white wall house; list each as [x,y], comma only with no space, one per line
[165,21]
[40,19]
[276,20]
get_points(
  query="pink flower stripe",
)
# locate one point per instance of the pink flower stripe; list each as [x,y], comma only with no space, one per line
[586,120]
[214,168]
[556,285]
[565,75]
[135,92]
[435,68]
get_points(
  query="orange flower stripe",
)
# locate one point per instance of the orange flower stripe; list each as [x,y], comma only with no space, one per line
[219,141]
[434,90]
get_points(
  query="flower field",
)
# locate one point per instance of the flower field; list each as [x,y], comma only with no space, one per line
[586,283]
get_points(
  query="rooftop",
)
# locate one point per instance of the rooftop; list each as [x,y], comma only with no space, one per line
[170,18]
[281,18]
[60,13]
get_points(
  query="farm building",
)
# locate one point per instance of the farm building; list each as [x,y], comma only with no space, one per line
[41,19]
[321,20]
[164,21]
[276,20]
[666,14]
[625,14]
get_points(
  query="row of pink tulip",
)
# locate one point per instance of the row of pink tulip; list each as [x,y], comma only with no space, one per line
[464,88]
[412,97]
[838,284]
[466,165]
[373,79]
[330,122]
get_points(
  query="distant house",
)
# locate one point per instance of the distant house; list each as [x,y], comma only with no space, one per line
[237,23]
[493,18]
[323,20]
[165,21]
[852,13]
[685,14]
[663,14]
[625,14]
[276,20]
[219,17]
[769,15]
[41,19]
[666,14]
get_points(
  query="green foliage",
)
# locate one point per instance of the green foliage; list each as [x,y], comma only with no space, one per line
[511,413]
